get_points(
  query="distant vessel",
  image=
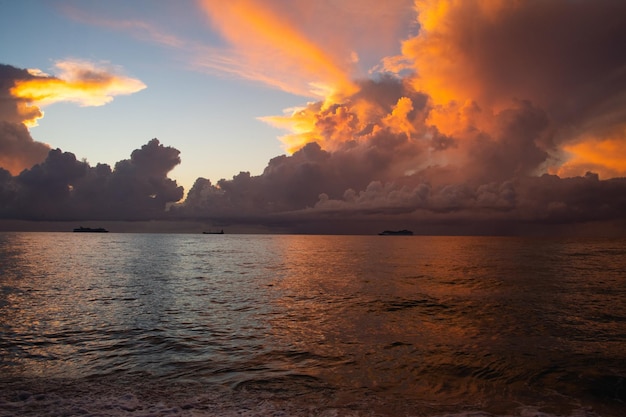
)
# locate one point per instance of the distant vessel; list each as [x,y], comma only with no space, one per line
[221,232]
[396,233]
[82,229]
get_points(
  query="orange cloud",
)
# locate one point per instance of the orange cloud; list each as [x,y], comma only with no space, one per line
[440,55]
[308,48]
[494,51]
[267,41]
[28,114]
[356,119]
[398,120]
[476,58]
[78,82]
[604,157]
[504,80]
[301,125]
[327,126]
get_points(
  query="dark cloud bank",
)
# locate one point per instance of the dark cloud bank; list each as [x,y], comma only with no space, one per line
[392,170]
[313,191]
[363,186]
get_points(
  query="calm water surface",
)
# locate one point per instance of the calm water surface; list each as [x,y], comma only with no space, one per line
[266,325]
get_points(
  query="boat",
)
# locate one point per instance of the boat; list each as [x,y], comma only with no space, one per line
[221,232]
[82,229]
[403,232]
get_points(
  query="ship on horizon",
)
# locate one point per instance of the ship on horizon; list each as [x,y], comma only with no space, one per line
[403,232]
[82,229]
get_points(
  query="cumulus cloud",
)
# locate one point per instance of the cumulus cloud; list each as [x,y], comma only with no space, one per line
[63,188]
[24,92]
[487,101]
[496,116]
[18,150]
[561,56]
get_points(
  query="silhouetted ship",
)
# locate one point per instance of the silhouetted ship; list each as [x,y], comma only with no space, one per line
[90,230]
[396,233]
[221,232]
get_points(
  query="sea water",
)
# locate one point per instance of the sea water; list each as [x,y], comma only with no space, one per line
[277,325]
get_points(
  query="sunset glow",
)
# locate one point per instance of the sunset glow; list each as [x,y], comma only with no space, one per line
[270,43]
[78,82]
[357,208]
[606,157]
[280,112]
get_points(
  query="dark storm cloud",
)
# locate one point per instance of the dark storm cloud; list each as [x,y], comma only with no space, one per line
[502,95]
[62,188]
[515,145]
[400,176]
[18,150]
[139,186]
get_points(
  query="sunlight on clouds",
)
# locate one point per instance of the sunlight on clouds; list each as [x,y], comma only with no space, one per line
[37,72]
[431,13]
[357,119]
[398,120]
[478,77]
[605,157]
[446,53]
[273,45]
[29,114]
[300,123]
[474,108]
[79,82]
[455,118]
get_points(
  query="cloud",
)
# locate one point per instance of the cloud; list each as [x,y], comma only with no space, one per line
[561,56]
[376,105]
[605,156]
[310,49]
[496,117]
[486,101]
[22,92]
[81,82]
[18,150]
[63,188]
[139,28]
[264,39]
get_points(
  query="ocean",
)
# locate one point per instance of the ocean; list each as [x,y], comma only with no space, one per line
[291,325]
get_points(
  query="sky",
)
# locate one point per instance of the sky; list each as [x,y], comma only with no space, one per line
[486,116]
[208,114]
